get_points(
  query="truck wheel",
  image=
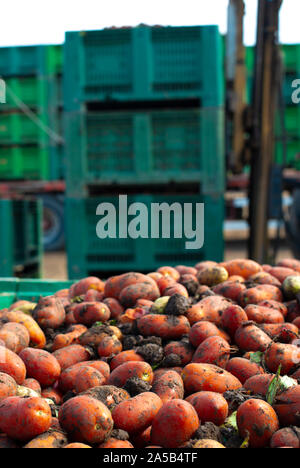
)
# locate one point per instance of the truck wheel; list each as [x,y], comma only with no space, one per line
[53,223]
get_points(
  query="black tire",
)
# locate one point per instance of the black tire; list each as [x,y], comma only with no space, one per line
[53,222]
[292,225]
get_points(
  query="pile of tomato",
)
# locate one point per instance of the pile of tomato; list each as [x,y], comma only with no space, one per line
[201,357]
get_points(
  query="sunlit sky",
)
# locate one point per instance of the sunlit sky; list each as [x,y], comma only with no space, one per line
[27,22]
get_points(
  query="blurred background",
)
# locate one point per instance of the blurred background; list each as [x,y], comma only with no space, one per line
[160,100]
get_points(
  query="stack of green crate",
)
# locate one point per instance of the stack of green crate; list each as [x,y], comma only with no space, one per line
[291,64]
[291,60]
[25,144]
[144,114]
[21,238]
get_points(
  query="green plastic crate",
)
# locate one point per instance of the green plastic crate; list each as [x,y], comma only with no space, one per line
[292,121]
[291,57]
[32,91]
[21,238]
[250,60]
[33,77]
[292,127]
[27,226]
[13,289]
[8,287]
[87,254]
[291,63]
[24,162]
[182,145]
[19,129]
[54,59]
[292,153]
[27,152]
[144,63]
[22,61]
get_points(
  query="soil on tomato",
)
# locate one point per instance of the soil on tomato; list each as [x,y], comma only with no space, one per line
[209,431]
[152,353]
[191,286]
[134,386]
[235,398]
[106,393]
[131,341]
[172,360]
[177,305]
[230,437]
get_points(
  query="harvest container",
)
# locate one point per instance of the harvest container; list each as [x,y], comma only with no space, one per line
[24,162]
[30,90]
[89,255]
[21,238]
[292,121]
[145,147]
[144,63]
[29,149]
[292,153]
[16,128]
[13,289]
[54,60]
[22,61]
[292,129]
[291,66]
[291,57]
[41,60]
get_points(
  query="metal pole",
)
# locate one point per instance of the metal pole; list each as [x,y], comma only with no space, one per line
[262,138]
[235,85]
